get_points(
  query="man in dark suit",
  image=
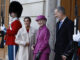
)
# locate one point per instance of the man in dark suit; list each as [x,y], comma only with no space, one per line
[64,31]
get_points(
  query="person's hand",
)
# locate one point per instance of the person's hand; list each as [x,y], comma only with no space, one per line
[64,57]
[76,37]
[32,47]
[38,55]
[3,28]
[27,44]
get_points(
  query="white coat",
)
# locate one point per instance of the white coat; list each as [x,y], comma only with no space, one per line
[23,37]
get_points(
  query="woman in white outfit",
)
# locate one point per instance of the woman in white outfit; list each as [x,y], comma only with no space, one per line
[25,39]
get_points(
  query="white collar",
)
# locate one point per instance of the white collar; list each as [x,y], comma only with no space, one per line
[13,19]
[63,20]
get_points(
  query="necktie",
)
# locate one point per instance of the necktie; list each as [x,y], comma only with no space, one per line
[60,24]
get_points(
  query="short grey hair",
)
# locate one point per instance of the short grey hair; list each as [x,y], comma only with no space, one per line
[61,9]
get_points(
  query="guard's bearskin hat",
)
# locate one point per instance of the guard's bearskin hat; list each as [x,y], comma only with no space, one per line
[15,7]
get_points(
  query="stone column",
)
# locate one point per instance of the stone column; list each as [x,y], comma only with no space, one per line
[51,23]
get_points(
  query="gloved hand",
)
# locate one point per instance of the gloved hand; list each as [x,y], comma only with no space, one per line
[76,37]
[38,56]
[3,28]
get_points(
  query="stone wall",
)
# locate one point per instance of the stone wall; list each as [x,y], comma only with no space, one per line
[32,8]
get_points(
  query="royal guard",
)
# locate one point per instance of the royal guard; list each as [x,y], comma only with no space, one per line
[76,38]
[15,11]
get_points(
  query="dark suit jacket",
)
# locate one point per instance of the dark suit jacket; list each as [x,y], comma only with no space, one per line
[64,39]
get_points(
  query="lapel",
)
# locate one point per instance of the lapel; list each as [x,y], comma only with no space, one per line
[62,26]
[30,31]
[28,34]
[24,34]
[57,27]
[37,35]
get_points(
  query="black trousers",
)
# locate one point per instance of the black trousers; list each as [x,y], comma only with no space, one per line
[59,57]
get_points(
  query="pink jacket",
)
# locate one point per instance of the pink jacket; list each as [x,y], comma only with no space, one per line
[42,43]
